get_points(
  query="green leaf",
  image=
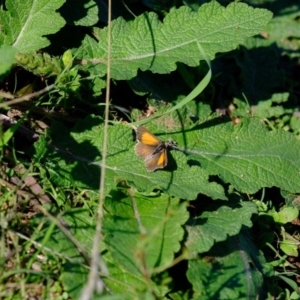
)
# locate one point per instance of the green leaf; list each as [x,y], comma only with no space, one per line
[290,282]
[289,244]
[288,214]
[73,278]
[286,39]
[77,161]
[161,217]
[74,272]
[180,295]
[9,133]
[289,248]
[150,243]
[24,25]
[216,223]
[149,44]
[80,225]
[129,285]
[291,199]
[7,55]
[270,108]
[124,285]
[232,270]
[247,155]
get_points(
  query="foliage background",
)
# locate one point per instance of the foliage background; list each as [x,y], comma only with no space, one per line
[221,220]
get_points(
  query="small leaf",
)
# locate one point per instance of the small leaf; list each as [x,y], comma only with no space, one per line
[67,58]
[285,39]
[288,214]
[269,108]
[290,282]
[289,248]
[217,223]
[291,199]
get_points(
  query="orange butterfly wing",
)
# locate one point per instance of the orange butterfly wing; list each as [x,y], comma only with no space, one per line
[144,151]
[144,136]
[157,161]
[151,149]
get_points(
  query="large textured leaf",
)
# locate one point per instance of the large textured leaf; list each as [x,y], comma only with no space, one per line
[78,159]
[150,243]
[74,272]
[247,156]
[149,44]
[26,23]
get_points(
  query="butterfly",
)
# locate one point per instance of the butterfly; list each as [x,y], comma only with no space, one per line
[152,149]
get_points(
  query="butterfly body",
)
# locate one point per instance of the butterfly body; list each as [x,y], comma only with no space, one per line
[152,149]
